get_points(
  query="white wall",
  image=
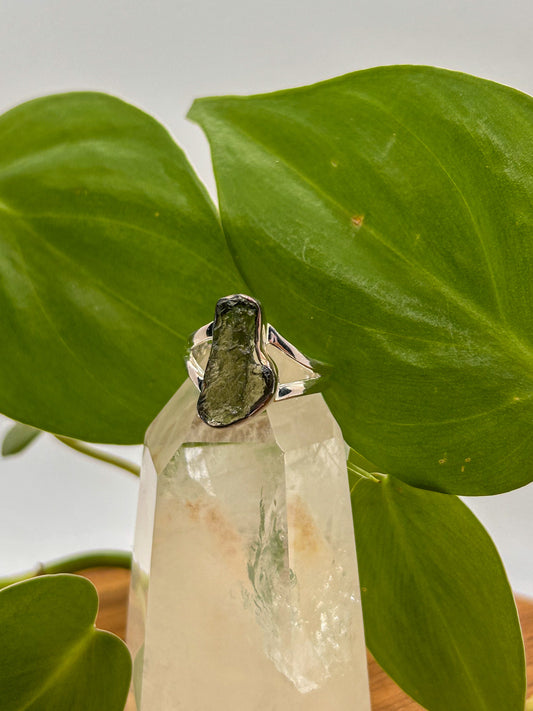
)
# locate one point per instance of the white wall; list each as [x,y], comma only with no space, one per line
[159,55]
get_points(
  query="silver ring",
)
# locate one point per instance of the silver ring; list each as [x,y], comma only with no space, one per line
[238,326]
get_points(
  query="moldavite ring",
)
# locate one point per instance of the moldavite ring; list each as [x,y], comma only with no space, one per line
[241,375]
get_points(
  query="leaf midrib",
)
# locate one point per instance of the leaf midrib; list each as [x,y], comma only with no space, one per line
[501,332]
[67,660]
[438,423]
[125,403]
[55,250]
[458,190]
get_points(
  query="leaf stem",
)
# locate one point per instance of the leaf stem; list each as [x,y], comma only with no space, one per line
[71,564]
[359,474]
[362,473]
[99,454]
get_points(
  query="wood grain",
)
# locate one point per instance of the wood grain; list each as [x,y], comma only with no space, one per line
[112,585]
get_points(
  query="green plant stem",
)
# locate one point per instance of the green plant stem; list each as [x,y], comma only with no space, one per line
[358,471]
[71,564]
[99,454]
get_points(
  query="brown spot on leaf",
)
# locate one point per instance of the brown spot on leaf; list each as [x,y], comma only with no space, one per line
[357,221]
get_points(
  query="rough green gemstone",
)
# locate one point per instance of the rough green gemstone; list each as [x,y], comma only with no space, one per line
[236,382]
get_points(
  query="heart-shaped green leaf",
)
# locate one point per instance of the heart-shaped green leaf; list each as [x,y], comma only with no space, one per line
[385,219]
[111,254]
[51,656]
[439,613]
[17,438]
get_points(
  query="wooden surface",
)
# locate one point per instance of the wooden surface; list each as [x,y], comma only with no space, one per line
[113,585]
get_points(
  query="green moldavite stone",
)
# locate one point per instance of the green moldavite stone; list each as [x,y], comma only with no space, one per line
[236,382]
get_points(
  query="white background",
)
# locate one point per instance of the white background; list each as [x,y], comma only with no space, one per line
[160,55]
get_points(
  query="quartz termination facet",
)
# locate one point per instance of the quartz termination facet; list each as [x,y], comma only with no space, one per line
[244,592]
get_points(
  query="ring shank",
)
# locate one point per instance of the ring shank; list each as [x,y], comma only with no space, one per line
[204,335]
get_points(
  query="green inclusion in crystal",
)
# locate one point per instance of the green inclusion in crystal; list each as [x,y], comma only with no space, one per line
[236,383]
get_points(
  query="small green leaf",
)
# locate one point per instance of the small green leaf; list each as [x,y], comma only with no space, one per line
[439,614]
[385,219]
[111,254]
[52,658]
[17,438]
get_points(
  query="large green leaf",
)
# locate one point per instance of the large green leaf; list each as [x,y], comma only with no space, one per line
[51,656]
[439,613]
[385,219]
[111,254]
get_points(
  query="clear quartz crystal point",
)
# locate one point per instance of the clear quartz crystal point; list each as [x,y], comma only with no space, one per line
[245,593]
